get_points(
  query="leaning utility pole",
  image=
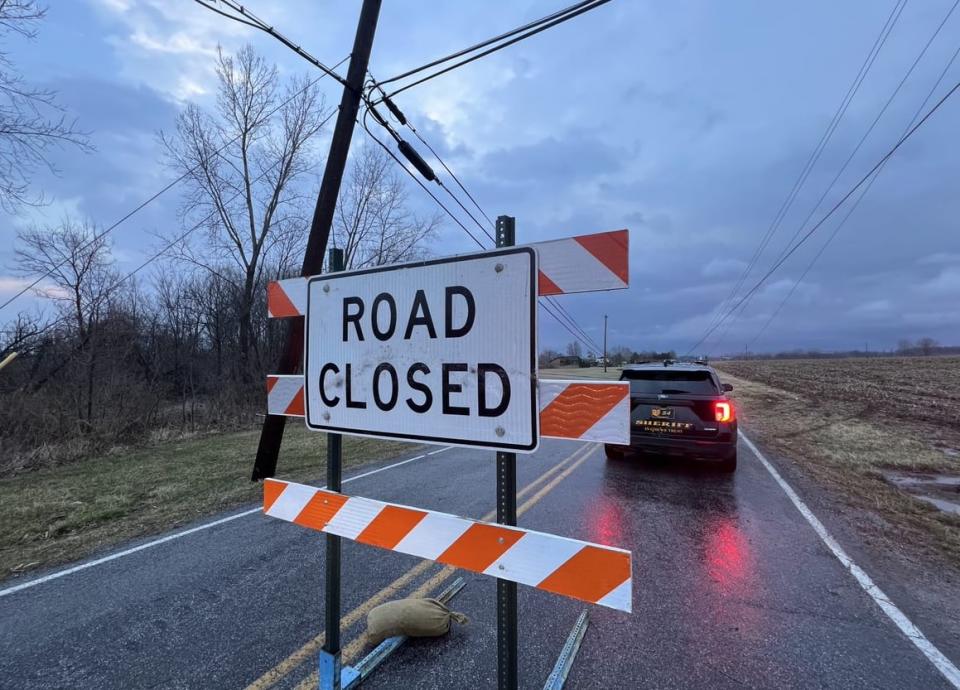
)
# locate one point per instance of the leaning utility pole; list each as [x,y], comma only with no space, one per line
[604,343]
[272,433]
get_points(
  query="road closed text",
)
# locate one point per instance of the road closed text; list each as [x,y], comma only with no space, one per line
[417,386]
[440,351]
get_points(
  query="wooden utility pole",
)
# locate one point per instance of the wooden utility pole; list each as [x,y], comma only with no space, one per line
[272,433]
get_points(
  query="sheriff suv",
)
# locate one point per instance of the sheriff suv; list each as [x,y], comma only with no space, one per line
[680,409]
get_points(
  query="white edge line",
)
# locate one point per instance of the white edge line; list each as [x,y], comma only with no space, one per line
[912,632]
[184,533]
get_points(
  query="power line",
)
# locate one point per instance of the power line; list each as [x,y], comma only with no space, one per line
[418,181]
[856,203]
[829,213]
[206,219]
[489,41]
[846,164]
[155,196]
[251,20]
[456,220]
[814,157]
[583,7]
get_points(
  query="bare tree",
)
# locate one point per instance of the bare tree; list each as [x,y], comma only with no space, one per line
[76,259]
[244,162]
[927,346]
[31,122]
[574,349]
[373,224]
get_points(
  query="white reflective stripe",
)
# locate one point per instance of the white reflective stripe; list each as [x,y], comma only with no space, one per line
[569,265]
[296,291]
[549,390]
[291,501]
[620,597]
[287,387]
[533,558]
[613,427]
[433,535]
[353,517]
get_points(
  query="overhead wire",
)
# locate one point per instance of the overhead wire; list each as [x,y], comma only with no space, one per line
[580,333]
[718,342]
[829,214]
[96,238]
[815,155]
[248,18]
[853,207]
[206,219]
[489,41]
[584,7]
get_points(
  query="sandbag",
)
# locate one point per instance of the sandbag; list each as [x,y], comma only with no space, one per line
[411,617]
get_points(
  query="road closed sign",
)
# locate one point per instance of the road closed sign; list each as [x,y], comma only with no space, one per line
[442,351]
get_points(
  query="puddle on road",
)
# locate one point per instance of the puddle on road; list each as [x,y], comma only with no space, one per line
[939,490]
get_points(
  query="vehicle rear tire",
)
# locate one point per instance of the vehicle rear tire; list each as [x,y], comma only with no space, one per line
[613,452]
[729,463]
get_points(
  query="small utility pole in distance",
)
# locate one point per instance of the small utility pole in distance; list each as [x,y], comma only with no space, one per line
[604,343]
[506,515]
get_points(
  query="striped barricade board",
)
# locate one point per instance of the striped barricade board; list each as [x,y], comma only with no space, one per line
[597,411]
[589,572]
[585,263]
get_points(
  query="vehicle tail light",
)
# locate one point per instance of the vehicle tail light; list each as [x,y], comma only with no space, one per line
[723,411]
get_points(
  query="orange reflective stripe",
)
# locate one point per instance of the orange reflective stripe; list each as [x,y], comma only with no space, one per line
[591,574]
[271,491]
[390,526]
[545,286]
[479,546]
[320,509]
[278,304]
[610,248]
[579,407]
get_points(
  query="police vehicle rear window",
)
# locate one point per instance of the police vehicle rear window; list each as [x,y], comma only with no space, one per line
[669,382]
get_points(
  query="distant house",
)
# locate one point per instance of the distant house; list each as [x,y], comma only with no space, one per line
[565,361]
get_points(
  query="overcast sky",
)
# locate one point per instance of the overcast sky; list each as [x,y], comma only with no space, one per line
[686,122]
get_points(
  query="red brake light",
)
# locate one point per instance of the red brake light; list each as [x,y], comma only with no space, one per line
[723,411]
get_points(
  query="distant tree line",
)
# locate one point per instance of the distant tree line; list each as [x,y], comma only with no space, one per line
[923,347]
[616,356]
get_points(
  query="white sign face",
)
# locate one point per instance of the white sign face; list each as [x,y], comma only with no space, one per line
[441,351]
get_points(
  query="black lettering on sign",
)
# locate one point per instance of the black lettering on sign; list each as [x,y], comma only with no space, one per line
[463,329]
[394,386]
[353,317]
[420,316]
[447,388]
[501,407]
[329,402]
[419,386]
[382,298]
[357,404]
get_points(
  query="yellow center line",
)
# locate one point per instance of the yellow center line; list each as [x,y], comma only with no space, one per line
[353,649]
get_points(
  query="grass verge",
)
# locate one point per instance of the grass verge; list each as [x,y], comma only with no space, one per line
[844,447]
[65,513]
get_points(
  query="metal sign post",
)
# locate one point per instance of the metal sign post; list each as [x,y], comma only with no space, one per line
[506,515]
[329,661]
[444,351]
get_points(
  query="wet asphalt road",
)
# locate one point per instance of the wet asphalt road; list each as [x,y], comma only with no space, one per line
[731,589]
